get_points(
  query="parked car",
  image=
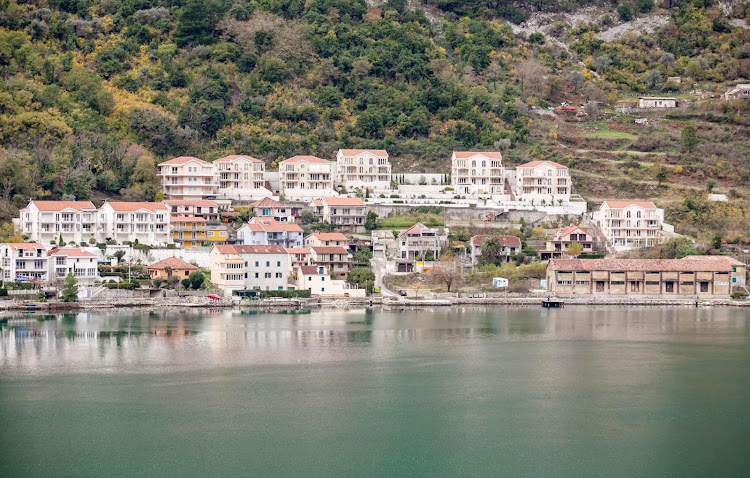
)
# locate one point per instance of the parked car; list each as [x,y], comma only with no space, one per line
[402,293]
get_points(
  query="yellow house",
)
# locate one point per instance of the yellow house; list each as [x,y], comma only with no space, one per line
[217,234]
[169,267]
[189,230]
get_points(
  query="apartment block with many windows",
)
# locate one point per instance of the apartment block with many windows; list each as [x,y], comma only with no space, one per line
[241,177]
[363,168]
[543,182]
[241,267]
[49,221]
[306,177]
[347,214]
[144,222]
[188,178]
[477,172]
[630,224]
[24,262]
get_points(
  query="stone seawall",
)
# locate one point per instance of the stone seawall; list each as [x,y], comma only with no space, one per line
[374,302]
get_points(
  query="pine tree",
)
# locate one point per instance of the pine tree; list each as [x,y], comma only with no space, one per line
[70,289]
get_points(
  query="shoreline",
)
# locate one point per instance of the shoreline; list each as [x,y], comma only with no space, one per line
[374,302]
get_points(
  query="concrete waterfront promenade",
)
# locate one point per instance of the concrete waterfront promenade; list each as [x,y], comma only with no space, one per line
[195,302]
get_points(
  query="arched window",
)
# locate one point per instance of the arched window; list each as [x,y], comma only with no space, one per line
[638,214]
[473,164]
[484,164]
[627,213]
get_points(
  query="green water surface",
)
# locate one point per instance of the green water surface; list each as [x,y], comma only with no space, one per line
[444,392]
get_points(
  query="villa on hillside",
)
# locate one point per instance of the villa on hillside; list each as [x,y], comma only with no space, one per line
[347,214]
[363,168]
[477,172]
[739,92]
[306,177]
[509,246]
[187,177]
[241,177]
[170,267]
[543,182]
[270,208]
[557,245]
[653,102]
[419,243]
[630,224]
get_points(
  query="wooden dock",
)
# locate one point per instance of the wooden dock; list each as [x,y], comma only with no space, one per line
[552,304]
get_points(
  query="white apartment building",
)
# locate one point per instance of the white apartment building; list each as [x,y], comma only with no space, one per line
[268,207]
[188,178]
[24,262]
[335,258]
[543,182]
[317,280]
[327,239]
[47,221]
[265,231]
[344,213]
[630,224]
[242,267]
[145,222]
[419,243]
[81,263]
[363,168]
[477,172]
[305,177]
[241,177]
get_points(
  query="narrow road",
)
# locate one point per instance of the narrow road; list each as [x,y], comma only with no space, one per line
[378,268]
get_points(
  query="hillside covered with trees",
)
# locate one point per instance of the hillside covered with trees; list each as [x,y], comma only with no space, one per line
[95,93]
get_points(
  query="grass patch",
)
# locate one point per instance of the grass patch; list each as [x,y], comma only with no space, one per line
[408,220]
[608,133]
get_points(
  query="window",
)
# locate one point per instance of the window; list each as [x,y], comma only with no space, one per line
[322,279]
[268,275]
[278,263]
[268,263]
[256,275]
[257,263]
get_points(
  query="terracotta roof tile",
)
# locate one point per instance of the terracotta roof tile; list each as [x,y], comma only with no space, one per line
[234,157]
[136,206]
[469,154]
[173,263]
[534,164]
[329,250]
[187,219]
[25,246]
[624,204]
[310,270]
[309,159]
[297,250]
[266,202]
[343,201]
[329,236]
[60,205]
[687,264]
[354,152]
[183,160]
[71,252]
[197,202]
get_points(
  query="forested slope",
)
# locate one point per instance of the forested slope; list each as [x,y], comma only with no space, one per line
[95,93]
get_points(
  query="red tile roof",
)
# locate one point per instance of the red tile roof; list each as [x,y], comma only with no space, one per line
[266,202]
[329,236]
[687,264]
[173,263]
[354,152]
[197,202]
[310,270]
[183,160]
[564,231]
[25,246]
[136,206]
[233,157]
[508,241]
[534,164]
[297,250]
[271,225]
[469,154]
[329,250]
[624,204]
[71,252]
[309,159]
[187,219]
[417,228]
[60,205]
[343,201]
[242,249]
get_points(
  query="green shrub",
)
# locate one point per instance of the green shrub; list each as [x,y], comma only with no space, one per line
[739,294]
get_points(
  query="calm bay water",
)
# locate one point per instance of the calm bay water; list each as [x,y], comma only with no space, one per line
[444,392]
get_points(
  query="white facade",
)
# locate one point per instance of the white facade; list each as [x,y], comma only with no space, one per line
[81,263]
[479,173]
[47,221]
[543,182]
[145,222]
[241,177]
[630,224]
[261,231]
[24,262]
[240,267]
[317,280]
[658,102]
[363,168]
[327,239]
[188,178]
[306,177]
[345,213]
[270,208]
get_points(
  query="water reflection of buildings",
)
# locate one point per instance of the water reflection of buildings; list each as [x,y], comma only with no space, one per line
[113,341]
